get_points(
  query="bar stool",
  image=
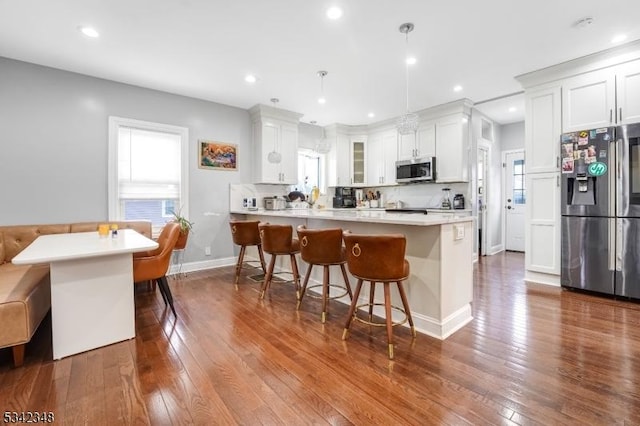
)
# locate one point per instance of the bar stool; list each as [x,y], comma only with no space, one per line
[323,247]
[278,240]
[246,233]
[378,259]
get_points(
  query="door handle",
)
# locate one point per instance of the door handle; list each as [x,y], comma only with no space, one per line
[508,200]
[620,119]
[509,207]
[611,116]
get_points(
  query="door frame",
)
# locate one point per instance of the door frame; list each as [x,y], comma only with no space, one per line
[483,248]
[504,193]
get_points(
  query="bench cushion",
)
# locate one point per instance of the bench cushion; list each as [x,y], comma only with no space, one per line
[25,298]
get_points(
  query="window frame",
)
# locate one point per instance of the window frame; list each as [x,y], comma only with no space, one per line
[113,201]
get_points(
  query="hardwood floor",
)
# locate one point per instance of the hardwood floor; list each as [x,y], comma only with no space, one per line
[532,355]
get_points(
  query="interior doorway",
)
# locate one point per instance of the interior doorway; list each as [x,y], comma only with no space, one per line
[514,199]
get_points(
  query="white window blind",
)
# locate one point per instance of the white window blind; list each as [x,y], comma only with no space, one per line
[148,171]
[148,164]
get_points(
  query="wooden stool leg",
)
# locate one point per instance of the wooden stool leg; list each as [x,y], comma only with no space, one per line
[352,310]
[262,262]
[239,264]
[325,292]
[304,285]
[296,275]
[346,280]
[407,309]
[387,309]
[372,293]
[267,277]
[18,354]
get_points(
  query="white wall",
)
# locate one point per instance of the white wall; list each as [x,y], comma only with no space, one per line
[53,149]
[512,136]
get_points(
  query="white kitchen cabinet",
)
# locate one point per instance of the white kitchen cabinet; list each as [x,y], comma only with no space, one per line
[358,156]
[420,144]
[275,130]
[628,92]
[601,98]
[381,158]
[452,148]
[338,161]
[542,219]
[542,129]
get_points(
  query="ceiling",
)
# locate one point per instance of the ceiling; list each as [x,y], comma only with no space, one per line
[204,48]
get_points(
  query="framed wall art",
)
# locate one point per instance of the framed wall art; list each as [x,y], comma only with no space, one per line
[217,155]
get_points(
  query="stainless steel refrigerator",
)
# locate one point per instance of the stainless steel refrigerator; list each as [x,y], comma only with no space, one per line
[601,210]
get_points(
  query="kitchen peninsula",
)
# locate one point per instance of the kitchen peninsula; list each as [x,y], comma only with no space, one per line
[439,249]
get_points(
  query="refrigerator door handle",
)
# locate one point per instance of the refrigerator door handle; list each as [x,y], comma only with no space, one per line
[619,245]
[611,243]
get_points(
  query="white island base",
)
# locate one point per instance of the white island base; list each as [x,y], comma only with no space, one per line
[439,249]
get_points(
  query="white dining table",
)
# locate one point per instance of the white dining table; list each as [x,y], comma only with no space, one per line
[92,293]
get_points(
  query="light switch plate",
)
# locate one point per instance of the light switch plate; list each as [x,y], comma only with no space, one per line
[458,232]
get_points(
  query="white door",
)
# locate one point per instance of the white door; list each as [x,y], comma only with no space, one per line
[514,200]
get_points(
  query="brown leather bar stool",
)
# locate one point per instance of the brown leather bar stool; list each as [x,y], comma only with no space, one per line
[278,240]
[246,233]
[323,247]
[378,259]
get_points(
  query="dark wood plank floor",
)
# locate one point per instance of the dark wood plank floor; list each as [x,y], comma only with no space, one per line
[532,355]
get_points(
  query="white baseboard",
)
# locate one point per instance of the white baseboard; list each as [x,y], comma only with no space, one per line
[496,249]
[541,278]
[424,324]
[201,266]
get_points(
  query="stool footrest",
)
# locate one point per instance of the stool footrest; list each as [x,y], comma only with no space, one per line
[379,324]
[319,296]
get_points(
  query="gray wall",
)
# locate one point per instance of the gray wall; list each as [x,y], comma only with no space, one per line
[54,142]
[512,136]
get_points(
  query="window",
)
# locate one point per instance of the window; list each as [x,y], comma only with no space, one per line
[310,167]
[519,192]
[148,169]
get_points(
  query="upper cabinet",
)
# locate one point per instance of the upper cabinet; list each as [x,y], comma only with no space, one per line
[357,154]
[338,161]
[628,85]
[275,130]
[543,129]
[601,98]
[452,148]
[381,158]
[420,144]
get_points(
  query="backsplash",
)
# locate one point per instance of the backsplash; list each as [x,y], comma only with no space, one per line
[418,195]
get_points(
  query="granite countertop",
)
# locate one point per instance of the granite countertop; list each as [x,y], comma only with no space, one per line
[363,215]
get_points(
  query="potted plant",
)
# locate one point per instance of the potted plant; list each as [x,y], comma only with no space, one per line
[185,227]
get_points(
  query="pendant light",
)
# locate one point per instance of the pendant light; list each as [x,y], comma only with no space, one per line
[322,74]
[323,146]
[274,156]
[408,122]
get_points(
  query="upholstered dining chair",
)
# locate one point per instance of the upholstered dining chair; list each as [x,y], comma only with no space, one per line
[153,265]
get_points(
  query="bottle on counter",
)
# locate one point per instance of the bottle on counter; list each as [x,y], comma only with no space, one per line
[446,199]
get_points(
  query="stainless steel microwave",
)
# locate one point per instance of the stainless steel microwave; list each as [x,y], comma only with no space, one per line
[416,170]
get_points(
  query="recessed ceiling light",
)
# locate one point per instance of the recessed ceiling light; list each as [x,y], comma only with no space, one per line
[322,100]
[334,13]
[89,32]
[619,38]
[371,115]
[513,109]
[457,88]
[411,60]
[250,78]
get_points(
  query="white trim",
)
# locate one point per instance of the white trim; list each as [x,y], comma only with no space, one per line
[484,145]
[531,277]
[504,195]
[114,124]
[496,249]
